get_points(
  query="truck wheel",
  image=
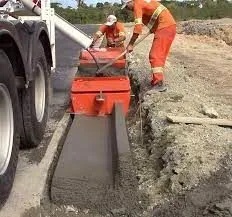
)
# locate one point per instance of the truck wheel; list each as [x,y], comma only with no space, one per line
[35,101]
[9,131]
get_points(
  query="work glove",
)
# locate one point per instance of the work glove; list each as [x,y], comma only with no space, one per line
[117,42]
[111,42]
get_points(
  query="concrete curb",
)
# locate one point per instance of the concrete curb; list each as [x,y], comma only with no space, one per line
[50,154]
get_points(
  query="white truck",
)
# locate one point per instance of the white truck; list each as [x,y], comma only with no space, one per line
[27,58]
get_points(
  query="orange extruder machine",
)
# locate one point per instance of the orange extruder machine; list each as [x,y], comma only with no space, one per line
[97,95]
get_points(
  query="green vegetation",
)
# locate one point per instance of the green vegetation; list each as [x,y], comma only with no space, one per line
[202,9]
[192,9]
[90,14]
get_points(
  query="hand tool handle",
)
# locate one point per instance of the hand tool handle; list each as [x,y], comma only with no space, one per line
[122,54]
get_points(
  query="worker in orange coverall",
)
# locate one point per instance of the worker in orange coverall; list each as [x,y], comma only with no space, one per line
[114,31]
[160,22]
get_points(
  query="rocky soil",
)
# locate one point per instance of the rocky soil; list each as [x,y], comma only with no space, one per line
[186,169]
[218,29]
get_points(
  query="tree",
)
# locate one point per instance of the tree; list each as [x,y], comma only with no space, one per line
[99,5]
[80,3]
[107,4]
[116,4]
[55,5]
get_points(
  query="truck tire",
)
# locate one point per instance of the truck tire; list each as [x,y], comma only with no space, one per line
[9,135]
[35,101]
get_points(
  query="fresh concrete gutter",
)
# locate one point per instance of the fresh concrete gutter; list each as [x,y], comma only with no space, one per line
[30,181]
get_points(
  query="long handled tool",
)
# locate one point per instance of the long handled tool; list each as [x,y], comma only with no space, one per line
[122,54]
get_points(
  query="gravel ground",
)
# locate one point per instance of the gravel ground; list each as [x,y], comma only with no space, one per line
[218,29]
[180,166]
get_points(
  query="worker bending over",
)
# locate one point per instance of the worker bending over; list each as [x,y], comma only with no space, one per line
[160,22]
[114,31]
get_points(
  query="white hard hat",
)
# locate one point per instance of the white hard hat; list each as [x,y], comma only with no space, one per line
[111,19]
[124,3]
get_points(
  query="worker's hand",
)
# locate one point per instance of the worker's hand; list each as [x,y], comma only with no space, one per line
[93,42]
[111,42]
[117,42]
[130,48]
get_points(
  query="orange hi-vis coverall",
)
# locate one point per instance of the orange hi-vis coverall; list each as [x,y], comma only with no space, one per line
[112,33]
[160,21]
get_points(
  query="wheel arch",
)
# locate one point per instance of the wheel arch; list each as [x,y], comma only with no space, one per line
[41,34]
[10,44]
[30,33]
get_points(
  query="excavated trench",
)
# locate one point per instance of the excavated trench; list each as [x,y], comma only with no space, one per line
[148,144]
[151,189]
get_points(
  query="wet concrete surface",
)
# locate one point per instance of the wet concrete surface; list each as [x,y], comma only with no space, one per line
[82,186]
[84,171]
[95,165]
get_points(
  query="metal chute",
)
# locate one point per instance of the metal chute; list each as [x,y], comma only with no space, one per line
[62,25]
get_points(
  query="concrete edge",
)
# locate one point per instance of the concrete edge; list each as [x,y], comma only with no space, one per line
[50,154]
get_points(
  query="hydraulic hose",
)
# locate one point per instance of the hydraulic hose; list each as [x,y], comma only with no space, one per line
[95,60]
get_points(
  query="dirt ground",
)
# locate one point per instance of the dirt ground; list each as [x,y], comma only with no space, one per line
[186,169]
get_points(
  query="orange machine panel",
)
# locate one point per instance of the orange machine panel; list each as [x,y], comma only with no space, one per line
[96,96]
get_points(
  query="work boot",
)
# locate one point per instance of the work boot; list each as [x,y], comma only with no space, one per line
[159,86]
[158,82]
